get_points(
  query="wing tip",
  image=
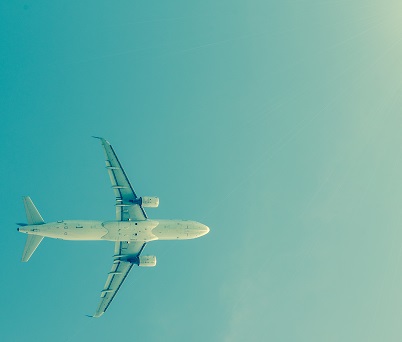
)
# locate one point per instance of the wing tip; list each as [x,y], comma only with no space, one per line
[96,315]
[103,140]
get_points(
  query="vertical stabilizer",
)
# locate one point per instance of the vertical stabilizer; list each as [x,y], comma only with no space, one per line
[33,216]
[32,243]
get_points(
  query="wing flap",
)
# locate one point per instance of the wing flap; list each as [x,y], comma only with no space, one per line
[125,256]
[113,283]
[127,205]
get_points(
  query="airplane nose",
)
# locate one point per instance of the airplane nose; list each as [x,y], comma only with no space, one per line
[205,229]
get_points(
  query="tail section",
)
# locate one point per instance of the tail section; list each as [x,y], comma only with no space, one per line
[33,218]
[32,243]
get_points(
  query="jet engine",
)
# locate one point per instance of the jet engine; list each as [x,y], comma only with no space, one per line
[147,261]
[149,202]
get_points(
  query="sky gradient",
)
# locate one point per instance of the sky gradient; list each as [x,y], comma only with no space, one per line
[275,123]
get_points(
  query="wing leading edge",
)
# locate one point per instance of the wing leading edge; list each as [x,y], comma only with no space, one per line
[125,257]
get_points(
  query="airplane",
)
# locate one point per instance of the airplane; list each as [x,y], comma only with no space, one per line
[131,230]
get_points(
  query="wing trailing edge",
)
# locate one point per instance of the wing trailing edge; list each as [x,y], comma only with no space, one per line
[124,254]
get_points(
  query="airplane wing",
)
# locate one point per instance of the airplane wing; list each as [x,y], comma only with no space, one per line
[128,205]
[125,257]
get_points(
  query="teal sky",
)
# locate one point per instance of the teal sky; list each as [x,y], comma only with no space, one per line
[276,123]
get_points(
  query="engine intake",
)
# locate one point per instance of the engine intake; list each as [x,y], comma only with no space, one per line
[147,261]
[149,202]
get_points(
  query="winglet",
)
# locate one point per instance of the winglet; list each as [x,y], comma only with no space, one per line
[97,315]
[103,140]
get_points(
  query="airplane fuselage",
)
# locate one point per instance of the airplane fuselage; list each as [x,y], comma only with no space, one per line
[145,230]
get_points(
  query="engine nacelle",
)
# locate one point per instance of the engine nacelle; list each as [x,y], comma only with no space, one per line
[147,261]
[149,202]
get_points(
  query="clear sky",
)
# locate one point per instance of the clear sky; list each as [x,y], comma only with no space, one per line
[276,123]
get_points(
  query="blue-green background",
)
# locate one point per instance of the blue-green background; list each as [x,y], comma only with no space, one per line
[276,123]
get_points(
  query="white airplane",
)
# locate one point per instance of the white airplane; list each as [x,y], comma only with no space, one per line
[131,230]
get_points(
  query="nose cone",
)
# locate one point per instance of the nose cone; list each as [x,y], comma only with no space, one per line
[204,229]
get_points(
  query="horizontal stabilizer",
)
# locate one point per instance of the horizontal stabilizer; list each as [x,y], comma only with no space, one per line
[33,216]
[31,244]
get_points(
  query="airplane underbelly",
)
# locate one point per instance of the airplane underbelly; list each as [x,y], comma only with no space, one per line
[174,230]
[71,230]
[84,231]
[129,230]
